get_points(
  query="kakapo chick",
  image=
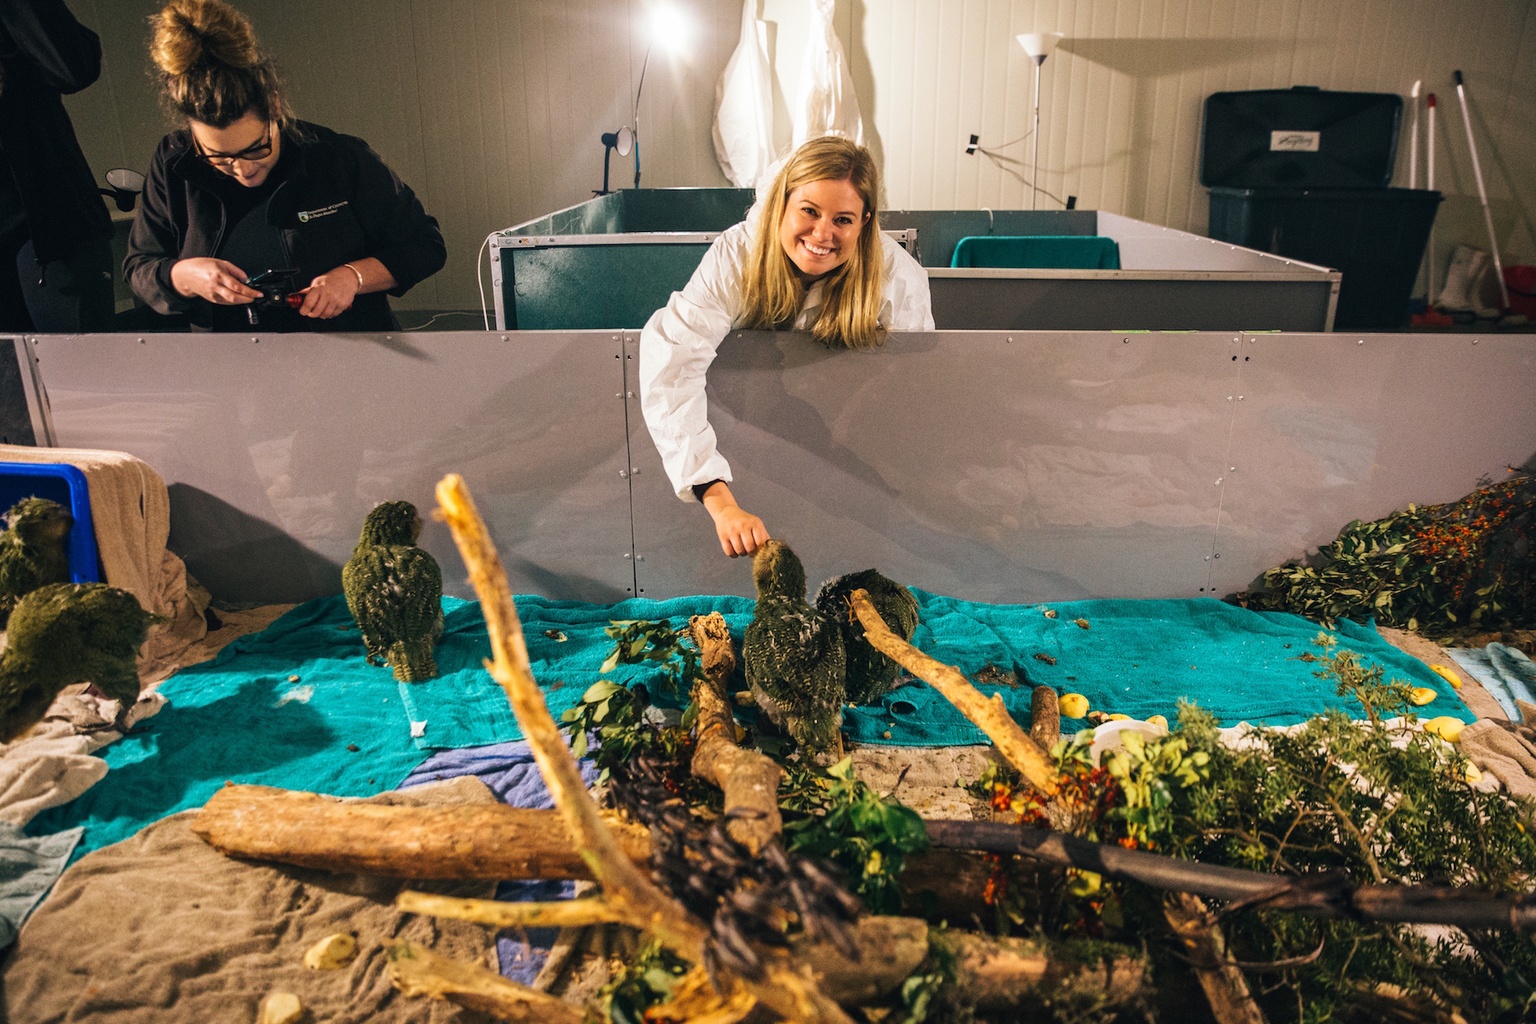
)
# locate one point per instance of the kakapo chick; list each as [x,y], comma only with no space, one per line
[870,673]
[33,550]
[793,656]
[395,592]
[66,633]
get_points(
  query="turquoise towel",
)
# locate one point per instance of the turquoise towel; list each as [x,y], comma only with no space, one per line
[1136,657]
[1050,252]
[241,718]
[246,718]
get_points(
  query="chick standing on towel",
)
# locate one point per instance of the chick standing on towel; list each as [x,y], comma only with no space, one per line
[793,656]
[33,550]
[62,634]
[394,590]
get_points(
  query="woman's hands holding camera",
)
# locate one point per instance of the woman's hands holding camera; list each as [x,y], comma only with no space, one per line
[218,281]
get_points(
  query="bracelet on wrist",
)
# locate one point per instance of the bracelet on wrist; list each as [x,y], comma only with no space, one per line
[359,274]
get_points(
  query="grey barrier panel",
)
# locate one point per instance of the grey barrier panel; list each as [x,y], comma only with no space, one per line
[276,446]
[988,466]
[1111,300]
[1336,427]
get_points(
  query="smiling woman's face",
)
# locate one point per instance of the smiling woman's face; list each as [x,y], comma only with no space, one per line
[246,150]
[821,225]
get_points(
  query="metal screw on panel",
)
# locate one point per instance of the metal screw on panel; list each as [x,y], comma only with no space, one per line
[1231,469]
[639,558]
[1360,342]
[1217,555]
[626,554]
[623,474]
[495,257]
[634,470]
[629,394]
[1218,481]
[141,341]
[1474,341]
[503,337]
[1229,398]
[1207,558]
[1010,339]
[1239,398]
[256,341]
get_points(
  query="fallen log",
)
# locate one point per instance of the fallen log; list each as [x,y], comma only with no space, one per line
[471,841]
[987,714]
[749,780]
[1001,973]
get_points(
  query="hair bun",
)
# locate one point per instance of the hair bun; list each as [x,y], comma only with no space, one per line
[188,33]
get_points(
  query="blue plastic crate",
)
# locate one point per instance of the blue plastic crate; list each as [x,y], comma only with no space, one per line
[66,485]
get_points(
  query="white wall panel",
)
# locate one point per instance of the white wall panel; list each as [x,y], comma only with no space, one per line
[491,109]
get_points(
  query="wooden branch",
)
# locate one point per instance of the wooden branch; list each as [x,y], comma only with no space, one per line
[625,886]
[787,990]
[499,914]
[749,780]
[1225,987]
[1001,973]
[469,841]
[988,715]
[1044,717]
[417,971]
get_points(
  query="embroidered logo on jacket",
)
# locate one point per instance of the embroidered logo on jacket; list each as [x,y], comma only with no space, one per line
[305,216]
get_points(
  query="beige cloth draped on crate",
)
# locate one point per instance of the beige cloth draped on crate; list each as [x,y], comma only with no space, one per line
[131,510]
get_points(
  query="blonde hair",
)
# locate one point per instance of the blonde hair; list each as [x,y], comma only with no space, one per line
[772,292]
[211,68]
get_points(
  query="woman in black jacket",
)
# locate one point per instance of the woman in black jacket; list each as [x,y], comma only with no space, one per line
[55,234]
[245,188]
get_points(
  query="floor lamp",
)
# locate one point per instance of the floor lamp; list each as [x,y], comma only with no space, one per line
[1039,46]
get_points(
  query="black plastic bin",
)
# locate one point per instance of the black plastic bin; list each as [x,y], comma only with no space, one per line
[1303,173]
[1374,236]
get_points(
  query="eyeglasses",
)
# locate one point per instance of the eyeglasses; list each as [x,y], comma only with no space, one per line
[259,150]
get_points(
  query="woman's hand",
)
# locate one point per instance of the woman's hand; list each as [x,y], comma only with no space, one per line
[218,281]
[740,531]
[330,294]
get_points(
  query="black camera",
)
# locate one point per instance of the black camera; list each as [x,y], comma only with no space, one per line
[278,288]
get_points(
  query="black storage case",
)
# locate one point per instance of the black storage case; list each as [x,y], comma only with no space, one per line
[1303,173]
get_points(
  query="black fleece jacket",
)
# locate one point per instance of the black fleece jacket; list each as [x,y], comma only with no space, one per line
[338,203]
[45,53]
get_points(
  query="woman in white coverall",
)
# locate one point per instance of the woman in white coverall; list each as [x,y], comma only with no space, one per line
[809,257]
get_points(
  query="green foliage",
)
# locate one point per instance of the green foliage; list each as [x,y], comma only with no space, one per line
[646,980]
[637,641]
[1384,802]
[845,821]
[1468,562]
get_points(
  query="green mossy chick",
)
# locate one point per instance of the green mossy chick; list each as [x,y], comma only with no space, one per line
[33,550]
[793,657]
[66,633]
[870,673]
[395,592]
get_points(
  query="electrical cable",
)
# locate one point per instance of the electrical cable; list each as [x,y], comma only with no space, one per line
[480,280]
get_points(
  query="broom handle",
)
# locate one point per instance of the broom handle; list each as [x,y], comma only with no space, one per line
[1482,193]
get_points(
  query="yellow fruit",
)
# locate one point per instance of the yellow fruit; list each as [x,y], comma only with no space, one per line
[331,953]
[1447,675]
[1446,727]
[1158,720]
[1473,772]
[1073,705]
[1422,695]
[1117,717]
[281,1008]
